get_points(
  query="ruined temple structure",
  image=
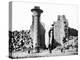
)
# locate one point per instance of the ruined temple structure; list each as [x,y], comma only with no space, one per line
[59,31]
[60,28]
[37,30]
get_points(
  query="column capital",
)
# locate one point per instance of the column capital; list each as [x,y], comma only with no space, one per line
[37,9]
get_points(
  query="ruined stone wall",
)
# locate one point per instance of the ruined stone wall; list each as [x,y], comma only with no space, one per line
[59,29]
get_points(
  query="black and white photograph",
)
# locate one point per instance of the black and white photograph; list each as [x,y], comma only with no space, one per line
[42,30]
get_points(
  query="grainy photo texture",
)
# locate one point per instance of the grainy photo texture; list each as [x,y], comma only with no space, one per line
[42,29]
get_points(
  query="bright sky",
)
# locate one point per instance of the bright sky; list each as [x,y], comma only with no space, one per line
[22,15]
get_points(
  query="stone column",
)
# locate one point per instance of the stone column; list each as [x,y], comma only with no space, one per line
[36,19]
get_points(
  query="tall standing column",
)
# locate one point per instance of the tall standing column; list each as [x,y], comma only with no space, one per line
[36,19]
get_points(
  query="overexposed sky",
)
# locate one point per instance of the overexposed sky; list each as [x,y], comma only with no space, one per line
[22,15]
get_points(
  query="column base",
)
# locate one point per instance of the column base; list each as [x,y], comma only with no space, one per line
[36,50]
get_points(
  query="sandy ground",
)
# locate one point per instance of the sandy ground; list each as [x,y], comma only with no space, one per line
[44,53]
